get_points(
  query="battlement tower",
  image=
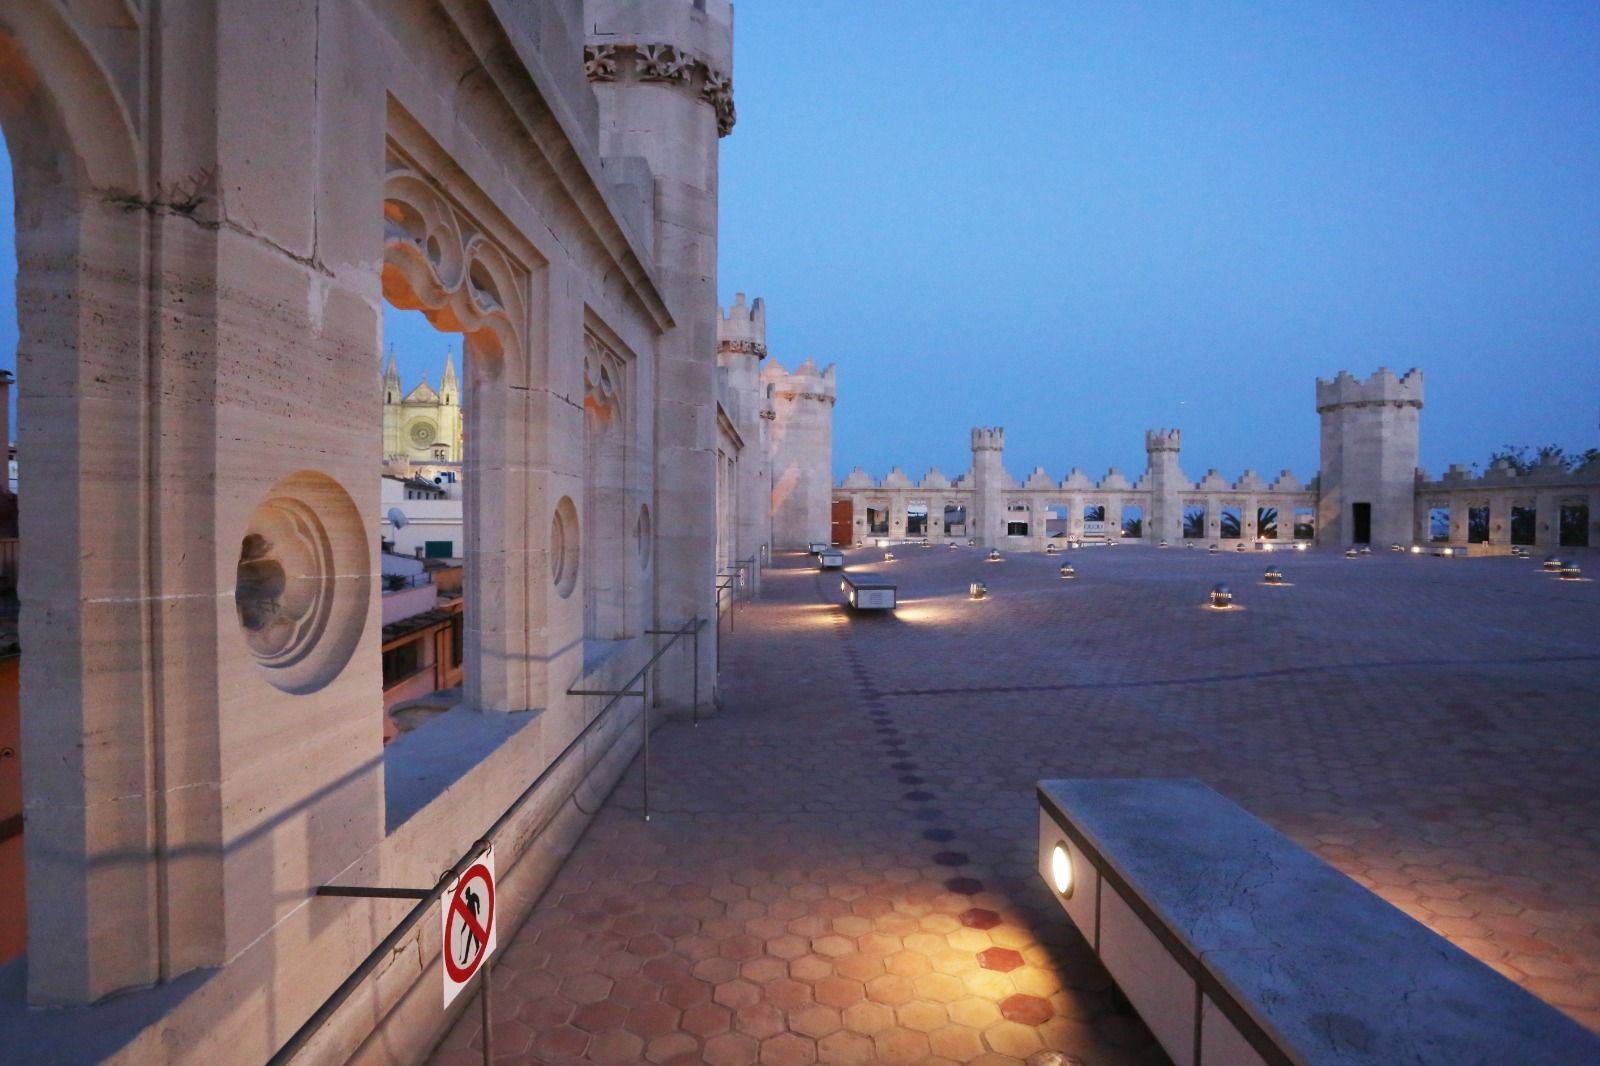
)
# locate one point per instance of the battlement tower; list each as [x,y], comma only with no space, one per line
[801,447]
[1370,433]
[1167,483]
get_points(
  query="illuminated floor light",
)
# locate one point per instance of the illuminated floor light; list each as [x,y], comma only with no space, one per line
[1416,549]
[1351,553]
[1552,565]
[1061,869]
[1067,571]
[1221,596]
[977,590]
[1273,576]
[1570,571]
[994,555]
[1163,544]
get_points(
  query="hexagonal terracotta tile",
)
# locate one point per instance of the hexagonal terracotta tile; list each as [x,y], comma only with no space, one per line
[1028,1010]
[1003,959]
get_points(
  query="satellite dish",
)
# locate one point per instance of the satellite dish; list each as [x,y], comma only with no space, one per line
[397,518]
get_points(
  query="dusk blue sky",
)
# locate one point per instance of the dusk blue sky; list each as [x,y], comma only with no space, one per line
[1081,221]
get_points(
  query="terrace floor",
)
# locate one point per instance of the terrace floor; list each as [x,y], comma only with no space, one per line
[840,867]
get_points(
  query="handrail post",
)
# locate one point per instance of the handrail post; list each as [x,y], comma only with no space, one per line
[644,688]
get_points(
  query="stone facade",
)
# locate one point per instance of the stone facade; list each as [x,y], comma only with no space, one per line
[1030,515]
[213,205]
[425,424]
[1370,432]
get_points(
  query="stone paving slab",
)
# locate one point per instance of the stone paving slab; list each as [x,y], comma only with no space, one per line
[840,867]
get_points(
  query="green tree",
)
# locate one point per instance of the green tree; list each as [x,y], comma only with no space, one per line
[1523,459]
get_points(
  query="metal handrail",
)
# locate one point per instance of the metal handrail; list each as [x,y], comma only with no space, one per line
[365,968]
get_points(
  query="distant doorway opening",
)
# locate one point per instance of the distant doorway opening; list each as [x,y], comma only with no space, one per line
[1361,523]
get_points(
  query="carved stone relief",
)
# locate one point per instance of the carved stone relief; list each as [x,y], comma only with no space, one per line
[300,609]
[665,63]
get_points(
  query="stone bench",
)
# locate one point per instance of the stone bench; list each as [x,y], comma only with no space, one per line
[868,593]
[1238,947]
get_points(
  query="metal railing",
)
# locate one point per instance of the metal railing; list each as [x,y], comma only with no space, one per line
[426,898]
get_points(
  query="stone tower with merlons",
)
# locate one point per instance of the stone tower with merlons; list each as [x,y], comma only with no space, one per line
[1367,484]
[800,446]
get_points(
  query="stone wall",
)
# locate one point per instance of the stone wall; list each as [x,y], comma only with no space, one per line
[212,209]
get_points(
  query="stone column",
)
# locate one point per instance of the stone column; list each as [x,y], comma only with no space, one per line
[662,74]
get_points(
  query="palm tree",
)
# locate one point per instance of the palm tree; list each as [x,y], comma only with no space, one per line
[1194,522]
[1133,527]
[1267,522]
[1230,524]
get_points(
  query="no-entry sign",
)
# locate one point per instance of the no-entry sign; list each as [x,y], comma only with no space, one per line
[468,917]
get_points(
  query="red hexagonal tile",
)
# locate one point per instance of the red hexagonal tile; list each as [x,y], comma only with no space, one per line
[1026,1010]
[979,918]
[1003,959]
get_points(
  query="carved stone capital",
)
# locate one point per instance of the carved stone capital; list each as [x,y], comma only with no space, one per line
[664,63]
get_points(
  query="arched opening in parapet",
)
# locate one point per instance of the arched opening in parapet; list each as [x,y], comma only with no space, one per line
[1230,524]
[1439,524]
[1574,519]
[1305,523]
[426,488]
[1194,521]
[1267,523]
[1057,519]
[955,519]
[917,518]
[1018,519]
[1132,525]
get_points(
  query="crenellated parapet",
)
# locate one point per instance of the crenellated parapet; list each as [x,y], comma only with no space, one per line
[988,439]
[1162,440]
[742,329]
[805,382]
[1382,389]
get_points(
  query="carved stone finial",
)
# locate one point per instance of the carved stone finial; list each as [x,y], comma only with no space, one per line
[600,62]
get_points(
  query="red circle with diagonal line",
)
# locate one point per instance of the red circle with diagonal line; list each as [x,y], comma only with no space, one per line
[475,927]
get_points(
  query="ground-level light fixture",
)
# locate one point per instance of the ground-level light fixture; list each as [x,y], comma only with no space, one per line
[1416,549]
[994,555]
[1051,549]
[1061,869]
[888,557]
[1211,550]
[1350,553]
[1395,548]
[951,545]
[1273,576]
[1366,549]
[1570,570]
[1552,565]
[1163,543]
[1221,596]
[1074,545]
[858,544]
[1301,547]
[1446,552]
[971,543]
[1067,571]
[977,590]
[1239,547]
